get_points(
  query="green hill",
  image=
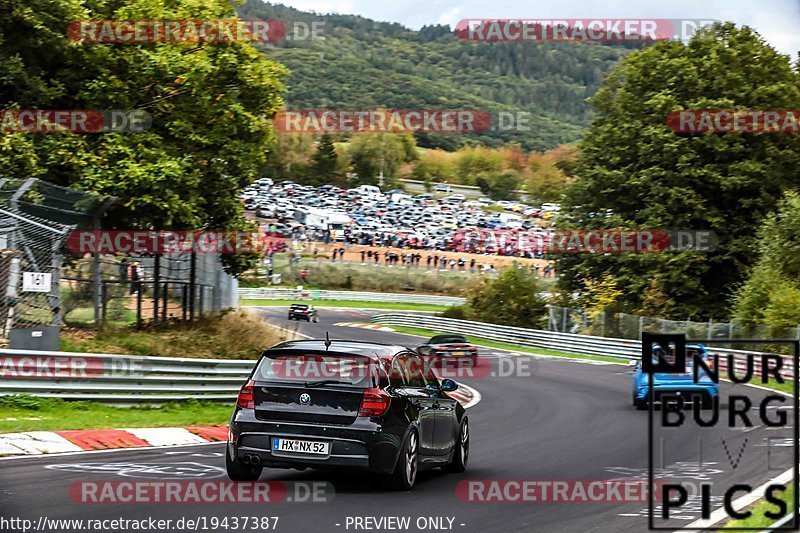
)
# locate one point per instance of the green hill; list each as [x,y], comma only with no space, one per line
[363,64]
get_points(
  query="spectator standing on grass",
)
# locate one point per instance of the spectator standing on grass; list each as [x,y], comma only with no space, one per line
[536,269]
[333,255]
[547,270]
[341,254]
[472,265]
[304,275]
[428,262]
[363,256]
[461,263]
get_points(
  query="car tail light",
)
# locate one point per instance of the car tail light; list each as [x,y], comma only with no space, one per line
[374,402]
[245,399]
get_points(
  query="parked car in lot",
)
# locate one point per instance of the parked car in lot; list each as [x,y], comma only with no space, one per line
[303,312]
[682,385]
[375,408]
[442,187]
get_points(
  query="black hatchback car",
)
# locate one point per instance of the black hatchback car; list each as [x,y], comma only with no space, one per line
[449,346]
[303,312]
[321,404]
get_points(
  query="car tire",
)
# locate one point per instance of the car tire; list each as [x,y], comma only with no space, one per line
[238,471]
[461,453]
[641,405]
[407,467]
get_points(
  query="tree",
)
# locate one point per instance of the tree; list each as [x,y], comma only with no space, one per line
[292,157]
[499,185]
[435,165]
[600,300]
[512,299]
[545,180]
[323,162]
[210,105]
[651,178]
[376,154]
[769,296]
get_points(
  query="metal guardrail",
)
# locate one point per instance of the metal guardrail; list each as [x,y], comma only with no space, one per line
[625,349]
[131,378]
[120,378]
[266,293]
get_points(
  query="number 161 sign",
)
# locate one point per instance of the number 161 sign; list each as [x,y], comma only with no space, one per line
[36,281]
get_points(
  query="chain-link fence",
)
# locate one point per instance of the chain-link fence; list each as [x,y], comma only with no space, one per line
[628,326]
[30,259]
[44,284]
[137,289]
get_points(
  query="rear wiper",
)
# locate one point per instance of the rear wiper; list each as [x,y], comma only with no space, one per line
[323,382]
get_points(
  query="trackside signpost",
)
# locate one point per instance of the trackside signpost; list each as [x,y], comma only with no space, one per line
[717,439]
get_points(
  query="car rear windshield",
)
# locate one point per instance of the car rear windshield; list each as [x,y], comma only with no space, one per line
[447,339]
[343,369]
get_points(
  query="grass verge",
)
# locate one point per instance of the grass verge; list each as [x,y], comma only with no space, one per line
[757,519]
[395,306]
[232,335]
[29,413]
[479,341]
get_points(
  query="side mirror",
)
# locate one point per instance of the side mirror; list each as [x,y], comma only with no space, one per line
[633,362]
[448,385]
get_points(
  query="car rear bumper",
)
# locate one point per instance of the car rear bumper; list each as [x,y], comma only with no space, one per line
[688,390]
[451,355]
[361,445]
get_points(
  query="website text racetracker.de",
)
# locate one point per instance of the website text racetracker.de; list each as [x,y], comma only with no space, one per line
[200,523]
[242,242]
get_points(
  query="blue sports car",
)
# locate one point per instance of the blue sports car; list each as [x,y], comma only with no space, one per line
[682,385]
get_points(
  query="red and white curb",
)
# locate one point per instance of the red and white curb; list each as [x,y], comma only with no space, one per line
[364,325]
[42,442]
[85,440]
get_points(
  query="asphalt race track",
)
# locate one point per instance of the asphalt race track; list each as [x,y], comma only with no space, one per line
[555,419]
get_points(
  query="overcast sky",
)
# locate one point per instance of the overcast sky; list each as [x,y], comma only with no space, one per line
[776,20]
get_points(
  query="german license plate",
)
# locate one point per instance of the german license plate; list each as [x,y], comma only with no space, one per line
[300,446]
